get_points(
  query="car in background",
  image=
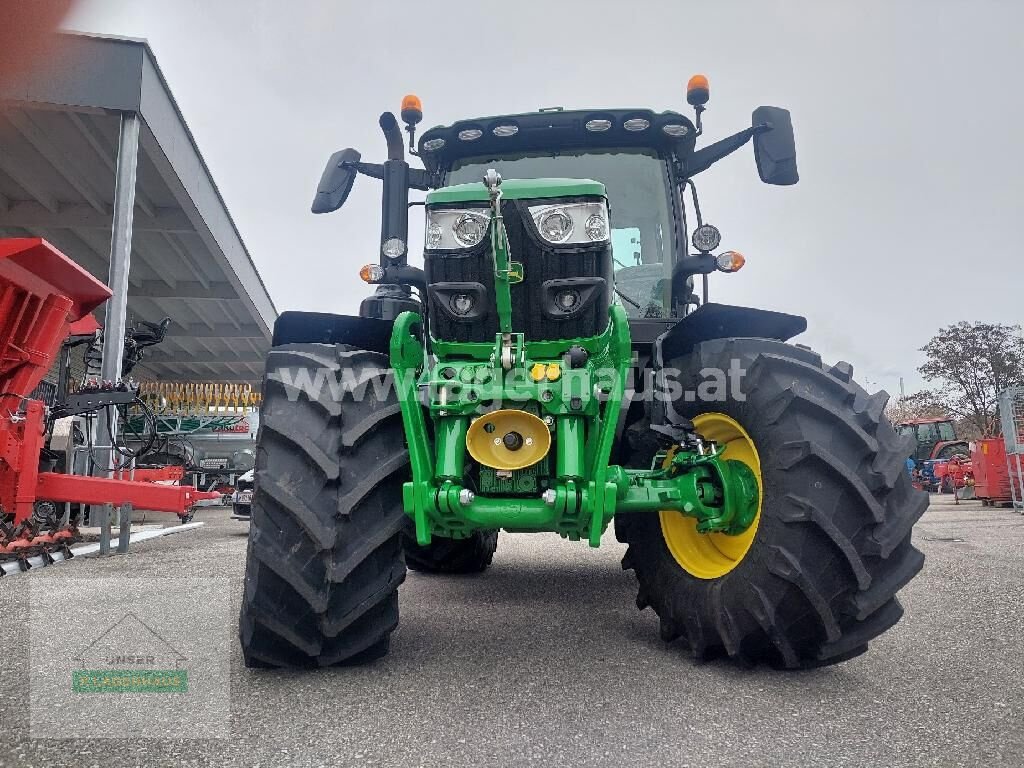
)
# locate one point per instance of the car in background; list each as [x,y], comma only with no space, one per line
[241,500]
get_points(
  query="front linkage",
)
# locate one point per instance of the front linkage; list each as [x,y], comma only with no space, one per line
[568,393]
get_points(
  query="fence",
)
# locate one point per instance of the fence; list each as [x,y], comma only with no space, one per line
[1011,414]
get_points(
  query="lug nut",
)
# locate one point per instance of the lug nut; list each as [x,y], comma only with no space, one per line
[549,496]
[466,497]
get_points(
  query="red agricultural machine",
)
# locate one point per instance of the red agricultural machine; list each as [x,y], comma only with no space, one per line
[42,293]
[993,474]
[934,439]
[953,475]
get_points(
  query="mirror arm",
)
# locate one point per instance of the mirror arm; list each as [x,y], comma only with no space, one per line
[707,156]
[403,274]
[698,264]
[373,170]
[418,178]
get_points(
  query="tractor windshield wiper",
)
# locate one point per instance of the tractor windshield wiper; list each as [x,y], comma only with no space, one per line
[634,302]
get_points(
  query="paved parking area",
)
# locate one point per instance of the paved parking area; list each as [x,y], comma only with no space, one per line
[544,660]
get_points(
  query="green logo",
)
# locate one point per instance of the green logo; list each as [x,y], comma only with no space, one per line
[130,657]
[129,681]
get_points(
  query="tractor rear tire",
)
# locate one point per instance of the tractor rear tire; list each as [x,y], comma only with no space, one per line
[325,540]
[832,543]
[470,555]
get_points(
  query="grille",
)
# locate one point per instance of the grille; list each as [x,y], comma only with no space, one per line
[540,263]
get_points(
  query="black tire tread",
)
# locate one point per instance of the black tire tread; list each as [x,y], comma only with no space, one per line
[451,556]
[325,557]
[834,544]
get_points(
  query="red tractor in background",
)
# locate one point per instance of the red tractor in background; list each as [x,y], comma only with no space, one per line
[935,439]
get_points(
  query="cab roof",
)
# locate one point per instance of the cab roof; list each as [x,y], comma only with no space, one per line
[555,130]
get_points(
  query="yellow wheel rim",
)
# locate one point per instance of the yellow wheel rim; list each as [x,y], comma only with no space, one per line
[712,555]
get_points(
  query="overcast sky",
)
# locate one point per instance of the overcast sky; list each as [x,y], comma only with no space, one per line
[908,118]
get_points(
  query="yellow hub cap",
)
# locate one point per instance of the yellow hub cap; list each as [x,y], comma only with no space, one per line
[712,555]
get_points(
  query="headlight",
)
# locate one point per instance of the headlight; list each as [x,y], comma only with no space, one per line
[706,238]
[461,303]
[470,228]
[567,300]
[571,223]
[451,229]
[555,225]
[434,235]
[393,247]
[597,227]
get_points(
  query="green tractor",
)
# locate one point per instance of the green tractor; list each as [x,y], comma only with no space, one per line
[553,367]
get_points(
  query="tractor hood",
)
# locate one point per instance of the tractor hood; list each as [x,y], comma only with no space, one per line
[517,189]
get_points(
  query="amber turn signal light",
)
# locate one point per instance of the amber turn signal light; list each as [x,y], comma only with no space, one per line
[730,261]
[371,273]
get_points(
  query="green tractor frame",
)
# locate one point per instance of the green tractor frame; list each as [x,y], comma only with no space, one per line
[554,367]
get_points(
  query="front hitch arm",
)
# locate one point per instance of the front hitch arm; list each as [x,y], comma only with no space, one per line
[728,496]
[721,494]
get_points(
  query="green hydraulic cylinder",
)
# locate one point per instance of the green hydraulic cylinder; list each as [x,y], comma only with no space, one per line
[451,447]
[569,442]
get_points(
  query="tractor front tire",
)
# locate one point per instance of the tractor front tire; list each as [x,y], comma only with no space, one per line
[325,540]
[817,577]
[451,556]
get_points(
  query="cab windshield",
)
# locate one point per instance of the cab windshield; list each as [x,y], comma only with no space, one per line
[636,181]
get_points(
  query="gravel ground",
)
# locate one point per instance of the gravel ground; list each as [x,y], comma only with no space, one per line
[544,660]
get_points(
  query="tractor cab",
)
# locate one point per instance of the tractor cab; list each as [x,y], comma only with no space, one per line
[645,160]
[933,439]
[643,217]
[636,154]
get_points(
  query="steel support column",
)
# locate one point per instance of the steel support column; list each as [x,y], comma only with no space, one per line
[120,264]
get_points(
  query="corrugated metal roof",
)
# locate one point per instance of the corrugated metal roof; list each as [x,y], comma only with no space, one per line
[58,148]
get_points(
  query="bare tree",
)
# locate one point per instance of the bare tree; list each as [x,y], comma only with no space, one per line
[971,363]
[919,405]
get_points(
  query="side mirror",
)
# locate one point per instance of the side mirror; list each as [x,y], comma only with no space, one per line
[336,182]
[775,149]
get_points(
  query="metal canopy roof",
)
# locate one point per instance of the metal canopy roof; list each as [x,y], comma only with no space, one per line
[58,152]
